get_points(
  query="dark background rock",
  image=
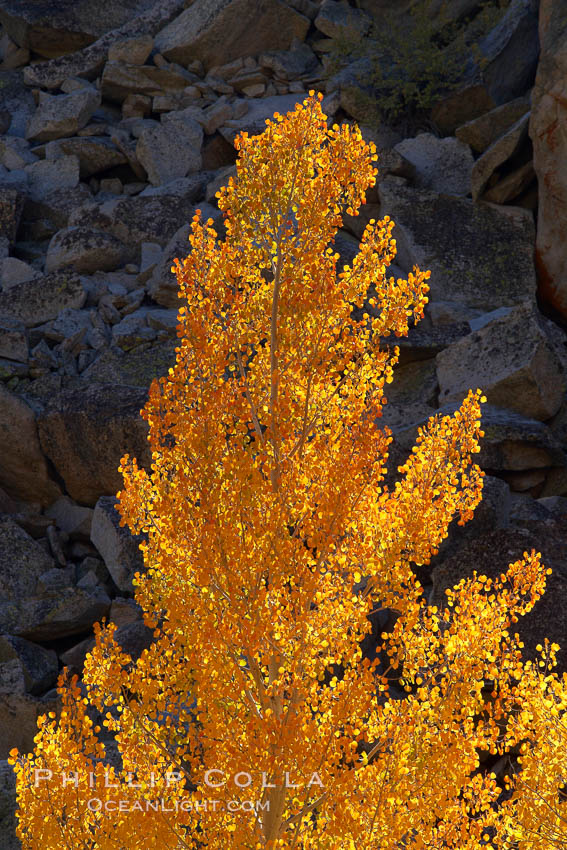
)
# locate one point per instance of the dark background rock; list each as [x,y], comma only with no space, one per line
[11,205]
[23,469]
[16,102]
[217,31]
[89,61]
[55,27]
[549,115]
[511,51]
[477,255]
[86,430]
[39,665]
[119,550]
[38,300]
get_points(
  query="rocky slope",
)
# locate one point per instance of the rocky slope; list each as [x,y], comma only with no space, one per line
[117,123]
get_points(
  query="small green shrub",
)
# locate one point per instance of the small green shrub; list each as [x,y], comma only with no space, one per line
[410,61]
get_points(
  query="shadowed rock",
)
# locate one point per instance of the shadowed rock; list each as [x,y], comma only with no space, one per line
[218,31]
[85,431]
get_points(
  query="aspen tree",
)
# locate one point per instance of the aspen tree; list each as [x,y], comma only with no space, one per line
[271,537]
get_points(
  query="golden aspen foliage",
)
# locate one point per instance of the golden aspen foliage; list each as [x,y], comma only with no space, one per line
[255,720]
